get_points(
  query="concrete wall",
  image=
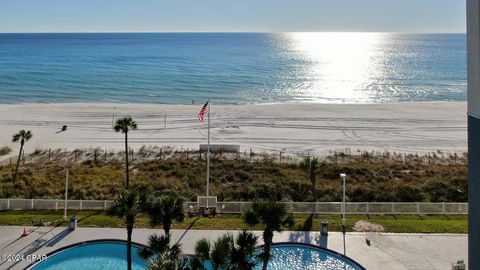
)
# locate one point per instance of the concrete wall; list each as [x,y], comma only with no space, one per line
[473,44]
[226,148]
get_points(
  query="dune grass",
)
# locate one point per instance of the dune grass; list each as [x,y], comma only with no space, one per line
[240,179]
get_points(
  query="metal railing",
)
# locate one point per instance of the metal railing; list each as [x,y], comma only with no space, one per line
[357,208]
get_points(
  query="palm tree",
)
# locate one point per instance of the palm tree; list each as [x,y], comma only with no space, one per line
[22,136]
[274,217]
[165,209]
[218,254]
[242,251]
[124,125]
[227,253]
[127,205]
[310,166]
[162,254]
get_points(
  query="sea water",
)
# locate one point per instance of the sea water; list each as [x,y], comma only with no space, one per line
[233,68]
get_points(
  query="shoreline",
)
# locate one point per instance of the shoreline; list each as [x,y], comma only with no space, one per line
[231,104]
[294,128]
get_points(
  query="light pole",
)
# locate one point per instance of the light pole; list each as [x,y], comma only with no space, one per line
[66,197]
[343,176]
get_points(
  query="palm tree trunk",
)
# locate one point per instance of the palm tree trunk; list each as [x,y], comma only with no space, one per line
[18,161]
[268,239]
[313,179]
[129,246]
[166,228]
[126,158]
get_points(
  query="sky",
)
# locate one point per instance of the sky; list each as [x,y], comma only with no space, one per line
[409,16]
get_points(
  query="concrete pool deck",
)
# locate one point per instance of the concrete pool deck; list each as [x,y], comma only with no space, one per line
[386,250]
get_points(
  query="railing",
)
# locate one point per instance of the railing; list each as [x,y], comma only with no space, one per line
[357,208]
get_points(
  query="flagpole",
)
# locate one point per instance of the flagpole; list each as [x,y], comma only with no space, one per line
[208,153]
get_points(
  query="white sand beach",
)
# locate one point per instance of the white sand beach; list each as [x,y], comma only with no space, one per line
[293,128]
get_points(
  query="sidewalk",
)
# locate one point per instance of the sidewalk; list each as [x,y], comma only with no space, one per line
[387,250]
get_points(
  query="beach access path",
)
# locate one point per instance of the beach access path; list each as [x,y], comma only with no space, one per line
[386,251]
[291,128]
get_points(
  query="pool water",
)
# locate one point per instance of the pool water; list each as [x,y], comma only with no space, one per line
[300,257]
[112,256]
[93,256]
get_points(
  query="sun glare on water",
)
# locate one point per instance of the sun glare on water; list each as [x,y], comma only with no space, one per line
[343,64]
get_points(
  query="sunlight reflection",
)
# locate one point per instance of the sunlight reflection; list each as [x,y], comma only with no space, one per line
[343,63]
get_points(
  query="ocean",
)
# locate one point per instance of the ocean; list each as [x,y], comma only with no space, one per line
[232,68]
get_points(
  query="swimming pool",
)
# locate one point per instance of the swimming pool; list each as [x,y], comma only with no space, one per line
[95,255]
[111,255]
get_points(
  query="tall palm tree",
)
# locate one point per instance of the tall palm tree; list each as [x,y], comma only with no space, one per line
[242,251]
[165,209]
[127,205]
[124,125]
[310,166]
[274,217]
[22,136]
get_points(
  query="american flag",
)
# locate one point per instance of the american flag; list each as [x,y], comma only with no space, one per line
[203,111]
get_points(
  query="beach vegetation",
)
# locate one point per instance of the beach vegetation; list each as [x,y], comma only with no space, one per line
[382,178]
[21,136]
[124,125]
[5,150]
[310,165]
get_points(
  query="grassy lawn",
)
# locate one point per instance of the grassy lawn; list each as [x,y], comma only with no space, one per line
[397,224]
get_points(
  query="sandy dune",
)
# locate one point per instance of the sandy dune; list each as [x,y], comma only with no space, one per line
[292,128]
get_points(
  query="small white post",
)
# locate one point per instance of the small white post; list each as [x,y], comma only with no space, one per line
[56,204]
[418,208]
[443,208]
[8,204]
[104,205]
[31,205]
[81,204]
[368,208]
[392,208]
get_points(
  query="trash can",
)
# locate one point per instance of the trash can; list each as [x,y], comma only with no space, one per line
[324,227]
[72,225]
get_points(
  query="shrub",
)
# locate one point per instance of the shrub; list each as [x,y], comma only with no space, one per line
[5,150]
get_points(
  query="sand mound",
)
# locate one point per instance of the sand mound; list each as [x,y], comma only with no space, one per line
[364,226]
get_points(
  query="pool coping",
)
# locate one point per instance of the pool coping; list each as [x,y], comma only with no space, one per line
[106,240]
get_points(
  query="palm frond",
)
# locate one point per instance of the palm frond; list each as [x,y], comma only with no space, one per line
[202,249]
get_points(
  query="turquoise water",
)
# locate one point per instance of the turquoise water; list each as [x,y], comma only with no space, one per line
[95,256]
[111,256]
[232,67]
[299,257]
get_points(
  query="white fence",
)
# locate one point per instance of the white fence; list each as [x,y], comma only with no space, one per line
[359,208]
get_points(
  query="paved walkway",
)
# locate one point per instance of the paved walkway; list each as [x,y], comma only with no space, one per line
[387,251]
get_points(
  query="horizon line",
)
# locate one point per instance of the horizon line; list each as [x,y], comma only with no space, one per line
[221,32]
